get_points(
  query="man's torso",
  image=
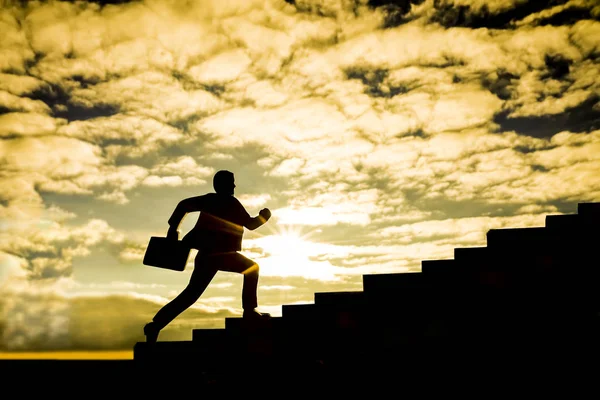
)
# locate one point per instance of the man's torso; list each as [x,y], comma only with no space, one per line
[220,226]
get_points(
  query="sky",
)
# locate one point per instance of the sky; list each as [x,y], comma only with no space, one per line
[378,133]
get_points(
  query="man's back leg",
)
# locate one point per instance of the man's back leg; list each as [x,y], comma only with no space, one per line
[200,279]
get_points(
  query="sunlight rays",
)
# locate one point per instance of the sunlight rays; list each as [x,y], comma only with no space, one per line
[289,252]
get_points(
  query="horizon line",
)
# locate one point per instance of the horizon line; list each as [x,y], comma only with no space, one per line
[67,355]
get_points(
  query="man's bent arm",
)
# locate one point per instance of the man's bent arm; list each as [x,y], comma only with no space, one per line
[256,222]
[185,206]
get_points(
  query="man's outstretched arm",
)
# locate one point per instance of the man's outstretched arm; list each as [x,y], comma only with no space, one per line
[262,217]
[185,206]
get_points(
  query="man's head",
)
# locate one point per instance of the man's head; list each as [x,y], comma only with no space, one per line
[224,182]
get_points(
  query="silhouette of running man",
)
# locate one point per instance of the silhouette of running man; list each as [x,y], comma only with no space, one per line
[217,236]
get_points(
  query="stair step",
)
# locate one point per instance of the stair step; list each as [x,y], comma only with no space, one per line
[215,336]
[310,329]
[216,341]
[381,283]
[256,338]
[589,211]
[482,268]
[319,322]
[443,266]
[566,222]
[299,311]
[522,237]
[340,299]
[469,255]
[391,293]
[445,275]
[238,325]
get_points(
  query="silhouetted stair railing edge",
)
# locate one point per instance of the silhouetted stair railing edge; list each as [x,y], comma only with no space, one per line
[478,296]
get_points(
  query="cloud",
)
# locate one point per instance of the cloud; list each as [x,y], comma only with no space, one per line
[182,171]
[19,203]
[475,165]
[461,107]
[328,208]
[49,156]
[50,247]
[222,68]
[28,123]
[11,266]
[477,6]
[153,95]
[19,85]
[12,102]
[188,173]
[123,135]
[15,49]
[254,201]
[71,166]
[547,14]
[462,230]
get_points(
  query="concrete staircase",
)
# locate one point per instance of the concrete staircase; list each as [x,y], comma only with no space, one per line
[531,294]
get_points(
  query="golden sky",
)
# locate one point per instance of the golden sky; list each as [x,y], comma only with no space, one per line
[379,133]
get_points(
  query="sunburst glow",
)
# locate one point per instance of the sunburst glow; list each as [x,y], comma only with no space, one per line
[289,242]
[289,252]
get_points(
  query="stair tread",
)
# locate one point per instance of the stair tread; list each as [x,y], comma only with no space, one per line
[462,254]
[588,208]
[530,232]
[341,298]
[295,310]
[443,272]
[395,276]
[209,334]
[238,323]
[428,266]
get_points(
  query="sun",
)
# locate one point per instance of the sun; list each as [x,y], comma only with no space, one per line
[289,242]
[289,252]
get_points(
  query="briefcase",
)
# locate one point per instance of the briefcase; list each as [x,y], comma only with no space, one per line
[166,253]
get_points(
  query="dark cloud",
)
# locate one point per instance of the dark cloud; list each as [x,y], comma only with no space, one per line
[189,83]
[585,117]
[449,14]
[323,9]
[103,2]
[558,66]
[500,83]
[568,16]
[59,99]
[395,11]
[375,82]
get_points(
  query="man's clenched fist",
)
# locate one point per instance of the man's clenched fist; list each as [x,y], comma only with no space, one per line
[265,213]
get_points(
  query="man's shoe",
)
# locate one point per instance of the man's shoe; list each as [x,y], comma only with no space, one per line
[151,332]
[255,315]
